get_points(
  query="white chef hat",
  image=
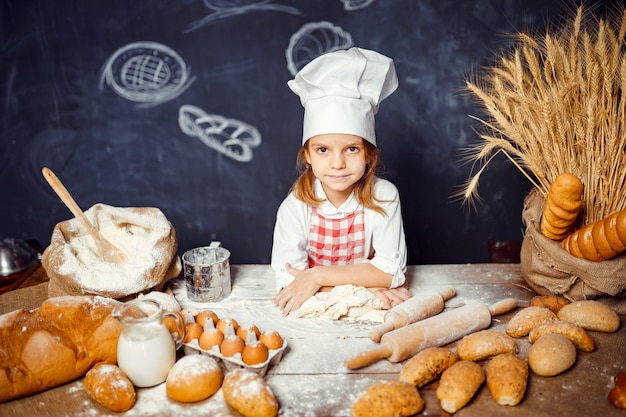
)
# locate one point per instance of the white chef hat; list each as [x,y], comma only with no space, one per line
[341,91]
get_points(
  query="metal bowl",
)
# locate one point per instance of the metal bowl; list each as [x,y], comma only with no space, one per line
[16,256]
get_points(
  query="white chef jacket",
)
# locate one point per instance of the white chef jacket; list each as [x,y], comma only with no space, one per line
[384,235]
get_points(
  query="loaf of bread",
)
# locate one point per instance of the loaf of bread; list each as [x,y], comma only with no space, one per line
[388,399]
[193,378]
[427,365]
[485,344]
[144,234]
[458,384]
[110,387]
[248,393]
[591,315]
[56,343]
[527,319]
[551,355]
[577,335]
[507,378]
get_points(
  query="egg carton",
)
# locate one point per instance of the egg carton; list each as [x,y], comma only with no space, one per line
[235,362]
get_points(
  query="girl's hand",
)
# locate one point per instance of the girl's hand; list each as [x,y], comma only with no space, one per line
[391,296]
[301,288]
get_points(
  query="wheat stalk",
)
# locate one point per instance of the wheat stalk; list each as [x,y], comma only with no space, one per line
[556,103]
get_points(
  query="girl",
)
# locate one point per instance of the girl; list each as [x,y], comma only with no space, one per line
[340,224]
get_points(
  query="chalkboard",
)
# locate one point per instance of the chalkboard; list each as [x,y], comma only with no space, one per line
[183,105]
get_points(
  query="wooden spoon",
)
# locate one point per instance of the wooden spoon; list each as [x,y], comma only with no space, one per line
[108,251]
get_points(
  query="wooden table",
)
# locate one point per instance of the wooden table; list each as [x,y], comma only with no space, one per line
[311,379]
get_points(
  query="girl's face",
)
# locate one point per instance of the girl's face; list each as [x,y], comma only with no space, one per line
[338,161]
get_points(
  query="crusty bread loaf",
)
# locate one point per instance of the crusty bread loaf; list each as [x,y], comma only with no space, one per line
[143,233]
[427,365]
[388,399]
[110,387]
[485,344]
[193,378]
[507,378]
[248,393]
[56,343]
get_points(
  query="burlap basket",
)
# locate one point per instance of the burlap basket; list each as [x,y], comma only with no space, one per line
[549,269]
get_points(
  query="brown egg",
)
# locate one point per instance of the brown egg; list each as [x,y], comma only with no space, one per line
[242,331]
[231,345]
[222,323]
[210,338]
[192,331]
[271,339]
[205,314]
[254,353]
[170,323]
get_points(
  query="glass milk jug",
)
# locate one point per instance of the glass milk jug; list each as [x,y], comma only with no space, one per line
[146,350]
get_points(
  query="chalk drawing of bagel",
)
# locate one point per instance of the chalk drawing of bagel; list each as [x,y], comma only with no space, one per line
[222,9]
[312,40]
[147,73]
[230,137]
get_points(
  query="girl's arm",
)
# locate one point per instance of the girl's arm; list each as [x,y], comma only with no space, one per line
[308,281]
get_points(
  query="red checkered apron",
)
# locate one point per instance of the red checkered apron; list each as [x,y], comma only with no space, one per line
[334,242]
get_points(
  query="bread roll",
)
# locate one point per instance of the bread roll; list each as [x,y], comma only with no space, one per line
[527,319]
[193,378]
[577,335]
[551,355]
[552,302]
[427,365]
[458,384]
[617,394]
[110,387]
[56,343]
[248,393]
[591,315]
[485,344]
[388,399]
[507,378]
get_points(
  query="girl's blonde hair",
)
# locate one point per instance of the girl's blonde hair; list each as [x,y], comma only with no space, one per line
[304,190]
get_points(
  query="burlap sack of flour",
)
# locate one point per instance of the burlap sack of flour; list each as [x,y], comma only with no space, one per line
[549,269]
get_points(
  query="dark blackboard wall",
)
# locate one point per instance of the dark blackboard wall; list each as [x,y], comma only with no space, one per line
[123,139]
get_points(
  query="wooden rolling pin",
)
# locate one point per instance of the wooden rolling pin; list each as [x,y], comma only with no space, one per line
[435,331]
[420,306]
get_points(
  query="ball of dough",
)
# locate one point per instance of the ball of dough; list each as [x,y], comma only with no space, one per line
[248,393]
[110,387]
[551,355]
[193,378]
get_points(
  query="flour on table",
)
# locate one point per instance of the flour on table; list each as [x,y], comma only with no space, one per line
[343,301]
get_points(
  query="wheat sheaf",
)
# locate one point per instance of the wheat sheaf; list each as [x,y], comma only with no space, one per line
[556,103]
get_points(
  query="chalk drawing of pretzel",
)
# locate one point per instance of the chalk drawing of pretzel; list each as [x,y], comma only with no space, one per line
[230,137]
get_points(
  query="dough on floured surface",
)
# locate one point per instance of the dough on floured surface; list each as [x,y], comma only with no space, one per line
[343,301]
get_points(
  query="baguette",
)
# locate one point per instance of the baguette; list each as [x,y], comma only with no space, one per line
[56,343]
